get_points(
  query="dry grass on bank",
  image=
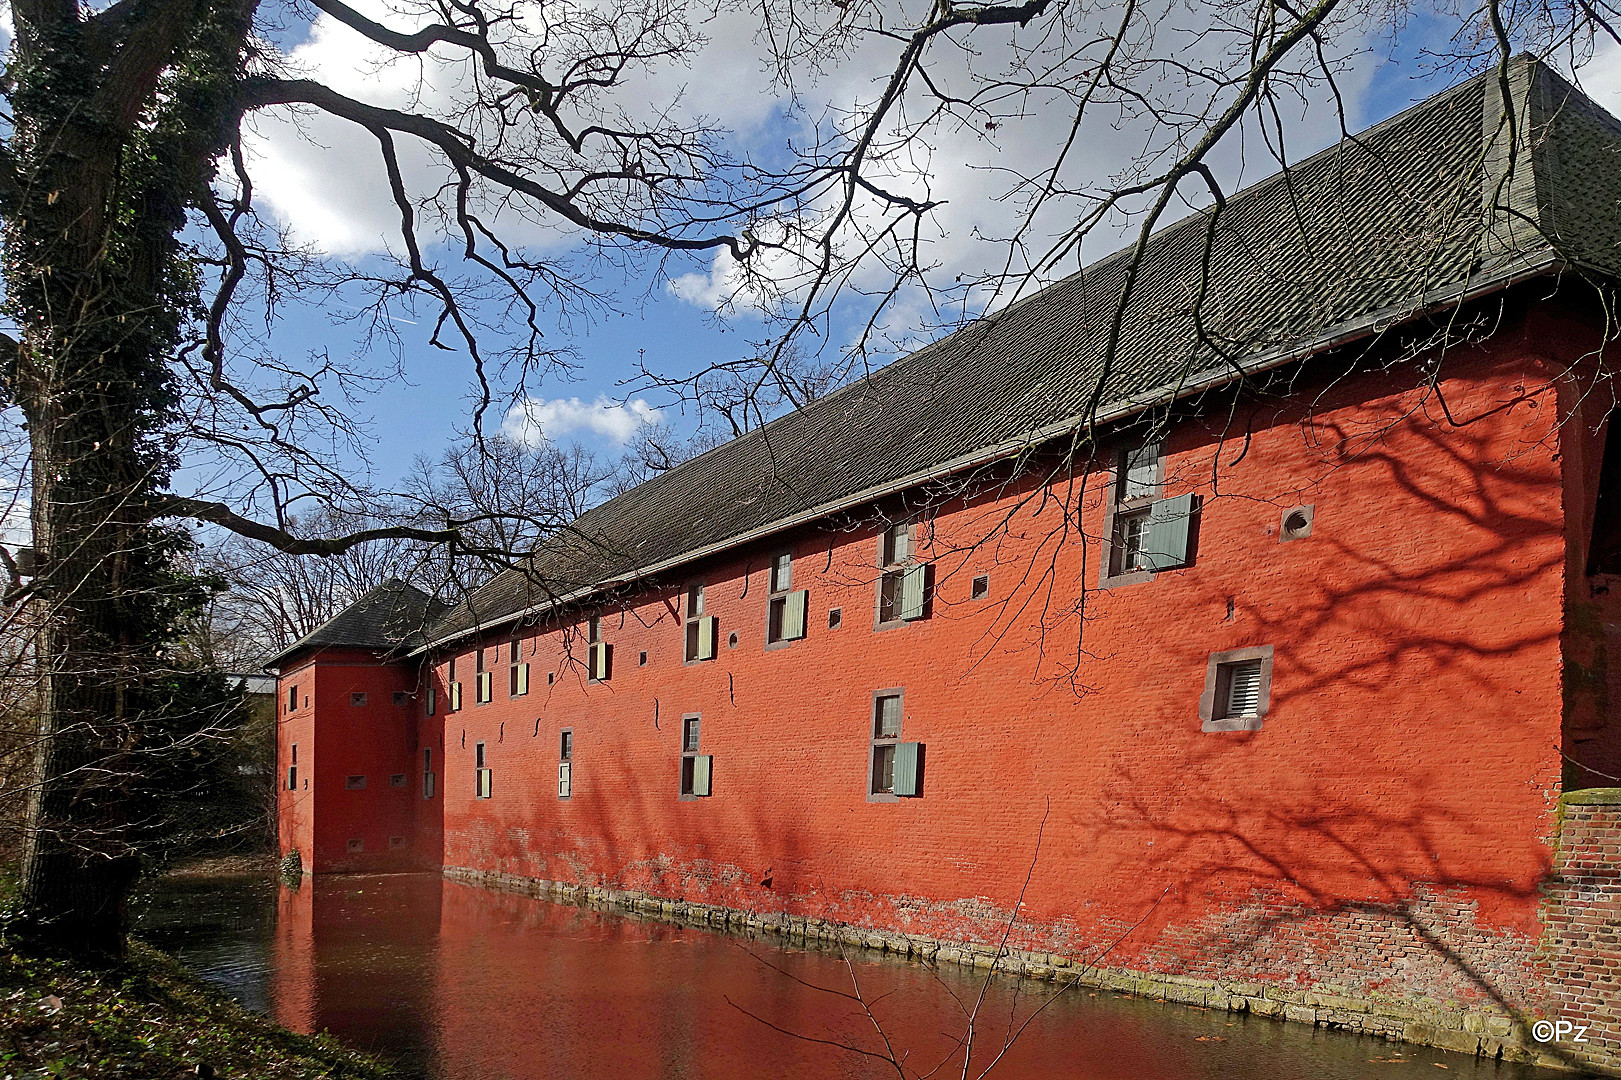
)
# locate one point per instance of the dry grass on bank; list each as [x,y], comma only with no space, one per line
[147,1019]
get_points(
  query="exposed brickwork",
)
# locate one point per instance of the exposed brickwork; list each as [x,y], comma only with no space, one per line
[1583,917]
[1373,857]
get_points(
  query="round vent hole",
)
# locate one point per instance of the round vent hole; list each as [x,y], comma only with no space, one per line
[1296,521]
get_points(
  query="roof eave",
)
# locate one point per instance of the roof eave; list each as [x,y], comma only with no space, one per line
[1541,264]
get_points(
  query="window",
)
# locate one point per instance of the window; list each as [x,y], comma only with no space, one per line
[565,763]
[357,700]
[896,768]
[354,783]
[292,697]
[902,583]
[1146,532]
[835,618]
[696,768]
[484,681]
[700,627]
[481,774]
[785,611]
[599,653]
[641,659]
[518,676]
[400,698]
[455,687]
[1238,690]
[292,770]
[430,699]
[427,772]
[396,779]
[981,588]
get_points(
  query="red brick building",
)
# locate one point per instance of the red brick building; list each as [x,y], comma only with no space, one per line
[1248,658]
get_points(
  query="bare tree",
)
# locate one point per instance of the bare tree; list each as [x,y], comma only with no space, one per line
[124,182]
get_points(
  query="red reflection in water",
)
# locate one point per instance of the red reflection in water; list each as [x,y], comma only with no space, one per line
[461,983]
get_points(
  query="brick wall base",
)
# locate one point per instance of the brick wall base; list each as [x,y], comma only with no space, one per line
[1581,916]
[1489,1032]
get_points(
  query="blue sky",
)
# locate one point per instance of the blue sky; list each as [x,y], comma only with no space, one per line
[322,185]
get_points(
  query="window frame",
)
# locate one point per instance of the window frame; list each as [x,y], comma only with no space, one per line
[517,684]
[565,762]
[691,636]
[428,778]
[1118,507]
[896,569]
[874,742]
[690,753]
[292,698]
[292,768]
[1209,704]
[779,591]
[481,771]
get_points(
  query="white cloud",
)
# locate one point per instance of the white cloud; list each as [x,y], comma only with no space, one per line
[1600,77]
[534,421]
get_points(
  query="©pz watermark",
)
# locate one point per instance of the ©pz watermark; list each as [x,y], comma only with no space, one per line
[1547,1031]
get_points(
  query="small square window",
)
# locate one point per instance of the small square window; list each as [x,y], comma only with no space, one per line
[1238,689]
[641,659]
[400,699]
[357,700]
[396,780]
[354,783]
[835,618]
[356,846]
[982,587]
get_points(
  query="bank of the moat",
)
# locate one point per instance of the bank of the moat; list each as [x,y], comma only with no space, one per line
[457,982]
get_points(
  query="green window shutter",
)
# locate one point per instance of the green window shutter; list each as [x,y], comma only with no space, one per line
[1170,526]
[565,779]
[523,679]
[909,768]
[706,638]
[455,696]
[702,765]
[485,683]
[914,579]
[601,661]
[793,615]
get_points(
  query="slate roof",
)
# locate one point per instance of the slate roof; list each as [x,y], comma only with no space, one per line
[1413,214]
[391,616]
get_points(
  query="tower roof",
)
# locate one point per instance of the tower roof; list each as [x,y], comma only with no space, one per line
[390,616]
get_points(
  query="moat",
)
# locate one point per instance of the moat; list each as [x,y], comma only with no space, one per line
[454,982]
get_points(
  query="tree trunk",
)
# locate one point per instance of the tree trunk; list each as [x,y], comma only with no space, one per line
[102,293]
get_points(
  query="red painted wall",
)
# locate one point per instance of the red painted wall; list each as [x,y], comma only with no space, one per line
[1401,789]
[376,741]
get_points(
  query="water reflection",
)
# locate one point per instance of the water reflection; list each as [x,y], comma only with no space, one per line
[458,983]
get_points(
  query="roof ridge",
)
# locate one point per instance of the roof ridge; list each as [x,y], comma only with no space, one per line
[1031,358]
